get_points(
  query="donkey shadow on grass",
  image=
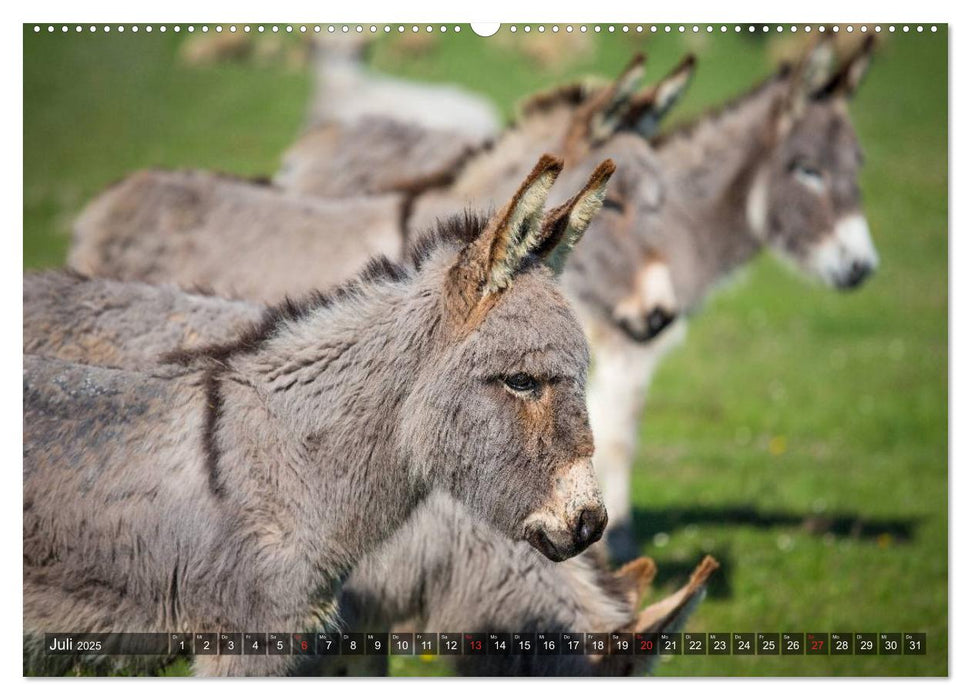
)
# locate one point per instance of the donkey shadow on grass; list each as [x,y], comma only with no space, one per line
[650,521]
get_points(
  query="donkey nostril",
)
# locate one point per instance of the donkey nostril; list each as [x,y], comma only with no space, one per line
[590,526]
[858,272]
[658,320]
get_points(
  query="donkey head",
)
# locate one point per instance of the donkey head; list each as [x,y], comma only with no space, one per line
[805,202]
[615,270]
[499,417]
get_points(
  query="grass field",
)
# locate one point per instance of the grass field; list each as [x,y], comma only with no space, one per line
[800,435]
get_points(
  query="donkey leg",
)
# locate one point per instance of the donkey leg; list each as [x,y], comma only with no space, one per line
[618,388]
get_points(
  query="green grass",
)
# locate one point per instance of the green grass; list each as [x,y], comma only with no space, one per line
[800,434]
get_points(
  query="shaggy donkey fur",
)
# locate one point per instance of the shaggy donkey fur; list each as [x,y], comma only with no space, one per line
[248,483]
[480,580]
[209,226]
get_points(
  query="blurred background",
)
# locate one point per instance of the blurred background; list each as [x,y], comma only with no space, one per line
[800,435]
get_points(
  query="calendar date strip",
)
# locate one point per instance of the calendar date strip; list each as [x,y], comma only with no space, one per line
[488,643]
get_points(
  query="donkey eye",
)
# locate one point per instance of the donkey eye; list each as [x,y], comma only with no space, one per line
[801,168]
[808,176]
[612,204]
[522,383]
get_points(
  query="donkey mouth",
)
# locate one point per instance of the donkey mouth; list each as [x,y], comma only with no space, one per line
[589,528]
[541,542]
[649,327]
[855,276]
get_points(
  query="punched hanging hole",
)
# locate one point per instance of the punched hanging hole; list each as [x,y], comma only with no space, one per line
[485,29]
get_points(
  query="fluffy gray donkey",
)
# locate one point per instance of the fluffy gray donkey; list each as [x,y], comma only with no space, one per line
[475,579]
[237,486]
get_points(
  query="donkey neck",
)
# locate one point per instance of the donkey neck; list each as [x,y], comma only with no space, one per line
[309,423]
[715,176]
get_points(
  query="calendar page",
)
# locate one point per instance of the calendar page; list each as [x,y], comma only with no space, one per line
[372,349]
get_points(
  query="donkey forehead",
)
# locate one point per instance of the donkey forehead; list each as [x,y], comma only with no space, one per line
[531,324]
[825,133]
[633,155]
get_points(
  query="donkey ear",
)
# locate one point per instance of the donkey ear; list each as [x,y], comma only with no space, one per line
[635,577]
[648,107]
[809,75]
[563,226]
[488,263]
[669,614]
[849,76]
[605,111]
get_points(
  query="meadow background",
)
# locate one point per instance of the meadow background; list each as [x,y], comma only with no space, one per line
[800,435]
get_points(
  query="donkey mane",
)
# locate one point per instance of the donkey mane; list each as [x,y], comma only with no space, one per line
[570,95]
[686,129]
[458,229]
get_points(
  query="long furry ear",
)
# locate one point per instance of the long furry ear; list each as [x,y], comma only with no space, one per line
[667,615]
[563,226]
[648,107]
[810,75]
[635,577]
[848,76]
[670,614]
[487,265]
[603,113]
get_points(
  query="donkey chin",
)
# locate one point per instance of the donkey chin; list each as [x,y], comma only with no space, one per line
[846,257]
[573,520]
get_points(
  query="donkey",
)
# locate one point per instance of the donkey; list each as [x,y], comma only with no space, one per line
[345,91]
[416,578]
[776,168]
[619,280]
[271,464]
[218,230]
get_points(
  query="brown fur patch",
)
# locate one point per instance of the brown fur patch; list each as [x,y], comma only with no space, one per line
[636,577]
[570,95]
[537,417]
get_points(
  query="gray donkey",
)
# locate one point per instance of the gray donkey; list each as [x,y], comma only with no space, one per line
[476,579]
[776,167]
[235,488]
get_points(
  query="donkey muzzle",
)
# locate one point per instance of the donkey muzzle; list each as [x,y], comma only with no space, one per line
[645,328]
[846,257]
[575,519]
